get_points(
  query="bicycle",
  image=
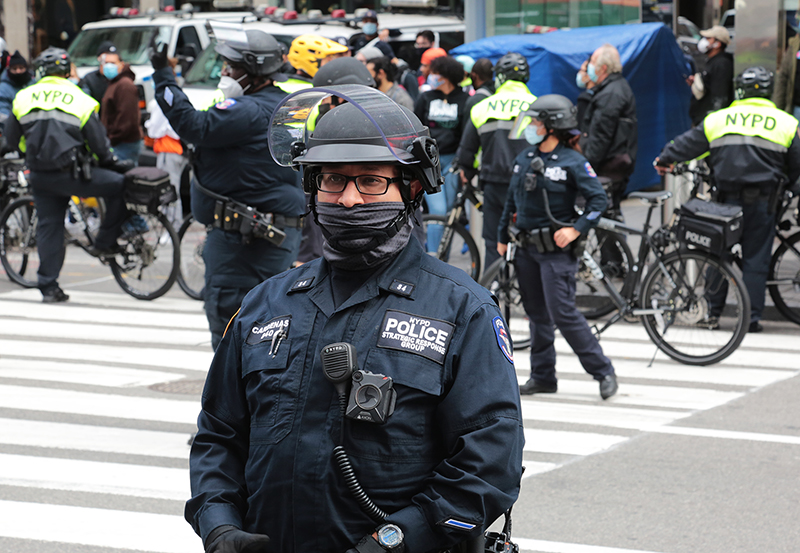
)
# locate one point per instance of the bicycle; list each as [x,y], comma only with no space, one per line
[191,273]
[454,225]
[145,268]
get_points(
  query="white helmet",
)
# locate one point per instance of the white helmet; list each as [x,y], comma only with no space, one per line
[3,45]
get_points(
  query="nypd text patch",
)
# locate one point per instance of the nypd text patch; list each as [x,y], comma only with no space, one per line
[266,331]
[503,339]
[429,338]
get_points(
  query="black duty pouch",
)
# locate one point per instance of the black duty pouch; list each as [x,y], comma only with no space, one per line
[247,221]
[148,188]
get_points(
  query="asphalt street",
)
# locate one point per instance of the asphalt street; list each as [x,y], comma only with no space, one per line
[98,397]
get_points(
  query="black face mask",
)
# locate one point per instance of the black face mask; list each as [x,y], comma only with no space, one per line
[19,79]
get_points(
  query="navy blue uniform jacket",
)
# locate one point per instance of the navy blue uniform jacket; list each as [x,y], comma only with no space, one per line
[446,464]
[233,156]
[566,174]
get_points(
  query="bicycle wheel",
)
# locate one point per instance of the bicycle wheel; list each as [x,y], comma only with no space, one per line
[191,276]
[612,253]
[93,211]
[456,246]
[149,263]
[18,251]
[783,281]
[684,326]
[501,279]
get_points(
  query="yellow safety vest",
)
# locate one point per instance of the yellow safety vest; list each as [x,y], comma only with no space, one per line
[215,99]
[293,85]
[753,121]
[512,98]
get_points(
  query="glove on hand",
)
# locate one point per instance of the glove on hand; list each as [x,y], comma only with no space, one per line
[120,165]
[158,59]
[229,539]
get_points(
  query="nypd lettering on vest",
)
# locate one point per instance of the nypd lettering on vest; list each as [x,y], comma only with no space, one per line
[264,332]
[429,338]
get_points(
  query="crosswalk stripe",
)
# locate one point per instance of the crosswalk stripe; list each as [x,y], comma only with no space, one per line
[544,546]
[98,527]
[567,442]
[81,298]
[154,357]
[644,395]
[103,332]
[536,467]
[599,415]
[99,405]
[99,315]
[728,434]
[94,477]
[78,373]
[104,439]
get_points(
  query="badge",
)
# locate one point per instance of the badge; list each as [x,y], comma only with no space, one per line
[516,168]
[589,169]
[225,104]
[429,338]
[264,332]
[555,174]
[401,288]
[503,339]
[302,284]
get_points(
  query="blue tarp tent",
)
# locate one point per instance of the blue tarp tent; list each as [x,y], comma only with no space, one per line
[652,62]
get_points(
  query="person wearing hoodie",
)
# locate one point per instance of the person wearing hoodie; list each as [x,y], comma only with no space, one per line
[14,78]
[119,110]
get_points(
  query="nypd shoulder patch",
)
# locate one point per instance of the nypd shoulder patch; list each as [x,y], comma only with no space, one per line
[225,104]
[589,169]
[503,339]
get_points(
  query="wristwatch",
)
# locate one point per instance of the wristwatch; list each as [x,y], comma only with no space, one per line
[390,538]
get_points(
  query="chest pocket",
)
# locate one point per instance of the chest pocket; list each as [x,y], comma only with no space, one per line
[409,433]
[271,387]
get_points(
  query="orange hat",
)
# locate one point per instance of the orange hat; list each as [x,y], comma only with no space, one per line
[431,54]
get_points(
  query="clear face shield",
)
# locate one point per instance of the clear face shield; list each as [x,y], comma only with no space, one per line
[523,121]
[231,38]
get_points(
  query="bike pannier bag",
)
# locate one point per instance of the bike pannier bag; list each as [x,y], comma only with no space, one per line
[709,226]
[147,188]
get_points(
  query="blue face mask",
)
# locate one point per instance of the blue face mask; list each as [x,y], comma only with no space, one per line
[74,80]
[592,73]
[110,70]
[579,81]
[434,81]
[370,29]
[532,135]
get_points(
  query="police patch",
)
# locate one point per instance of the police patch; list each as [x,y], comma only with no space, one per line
[225,104]
[266,331]
[589,169]
[302,284]
[401,288]
[429,338]
[503,340]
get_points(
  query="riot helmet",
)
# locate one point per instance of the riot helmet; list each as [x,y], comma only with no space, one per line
[308,51]
[753,82]
[344,71]
[512,67]
[258,53]
[52,62]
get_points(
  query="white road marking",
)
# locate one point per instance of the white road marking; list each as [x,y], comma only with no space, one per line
[561,547]
[110,299]
[567,442]
[99,405]
[52,473]
[106,439]
[98,527]
[599,415]
[102,332]
[728,434]
[534,467]
[78,373]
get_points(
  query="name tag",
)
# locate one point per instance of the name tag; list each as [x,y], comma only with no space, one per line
[429,338]
[266,331]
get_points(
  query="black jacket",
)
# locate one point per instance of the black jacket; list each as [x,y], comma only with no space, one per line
[718,83]
[610,128]
[95,85]
[445,116]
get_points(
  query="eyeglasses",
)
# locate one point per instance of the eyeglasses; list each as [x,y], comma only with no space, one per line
[368,185]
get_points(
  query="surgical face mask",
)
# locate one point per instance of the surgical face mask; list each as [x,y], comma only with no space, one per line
[703,46]
[74,80]
[230,87]
[370,29]
[579,80]
[591,72]
[434,81]
[532,135]
[110,70]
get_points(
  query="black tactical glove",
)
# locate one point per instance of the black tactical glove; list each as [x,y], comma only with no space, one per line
[120,165]
[229,539]
[158,59]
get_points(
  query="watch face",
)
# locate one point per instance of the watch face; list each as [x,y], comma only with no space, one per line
[390,536]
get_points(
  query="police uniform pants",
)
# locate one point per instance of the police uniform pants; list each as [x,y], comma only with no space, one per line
[547,287]
[758,235]
[51,193]
[494,200]
[233,269]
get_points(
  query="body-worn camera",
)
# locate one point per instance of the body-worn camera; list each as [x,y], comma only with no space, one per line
[532,176]
[372,397]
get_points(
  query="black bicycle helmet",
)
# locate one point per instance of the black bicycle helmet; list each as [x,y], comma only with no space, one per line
[512,67]
[52,62]
[753,82]
[555,111]
[343,71]
[258,53]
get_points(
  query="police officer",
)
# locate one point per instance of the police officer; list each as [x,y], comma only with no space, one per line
[754,150]
[446,461]
[487,131]
[550,171]
[233,161]
[55,124]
